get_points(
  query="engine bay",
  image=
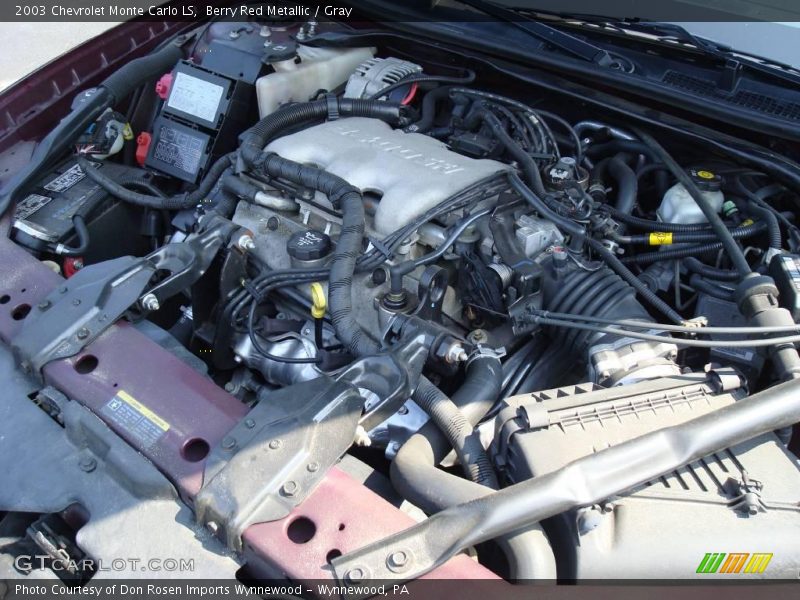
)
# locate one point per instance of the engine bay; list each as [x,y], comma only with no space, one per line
[358,262]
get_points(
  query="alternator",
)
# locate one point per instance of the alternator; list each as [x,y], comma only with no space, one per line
[375,74]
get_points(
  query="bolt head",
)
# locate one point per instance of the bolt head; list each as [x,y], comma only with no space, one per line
[355,575]
[399,558]
[87,464]
[83,333]
[313,467]
[274,444]
[229,443]
[44,304]
[150,303]
[456,353]
[290,488]
[246,243]
[249,423]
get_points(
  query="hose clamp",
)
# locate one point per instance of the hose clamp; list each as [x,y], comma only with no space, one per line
[333,107]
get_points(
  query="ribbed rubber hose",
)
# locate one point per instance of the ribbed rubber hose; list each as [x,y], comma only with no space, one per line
[256,138]
[348,248]
[459,433]
[416,477]
[773,227]
[698,237]
[681,251]
[178,202]
[648,225]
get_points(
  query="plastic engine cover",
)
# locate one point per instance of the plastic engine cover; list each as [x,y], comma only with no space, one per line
[410,171]
[743,501]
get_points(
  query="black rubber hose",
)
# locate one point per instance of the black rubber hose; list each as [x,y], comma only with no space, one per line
[82,232]
[210,179]
[610,259]
[735,253]
[627,185]
[672,253]
[239,187]
[597,187]
[348,248]
[773,227]
[649,225]
[617,146]
[526,163]
[459,433]
[141,182]
[695,266]
[92,105]
[256,138]
[181,201]
[119,191]
[413,470]
[416,477]
[697,237]
[429,103]
[469,78]
[131,75]
[709,288]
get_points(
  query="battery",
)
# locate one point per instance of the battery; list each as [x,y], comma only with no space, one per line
[43,218]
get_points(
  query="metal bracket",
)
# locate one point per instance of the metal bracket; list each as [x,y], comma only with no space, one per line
[77,312]
[92,300]
[276,455]
[392,377]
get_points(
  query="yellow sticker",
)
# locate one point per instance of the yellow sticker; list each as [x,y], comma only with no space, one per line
[161,423]
[127,132]
[747,222]
[705,174]
[134,418]
[660,238]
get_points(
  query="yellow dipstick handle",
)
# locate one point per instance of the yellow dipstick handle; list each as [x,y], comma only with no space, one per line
[319,301]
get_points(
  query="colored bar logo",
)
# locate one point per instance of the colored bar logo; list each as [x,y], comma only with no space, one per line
[734,562]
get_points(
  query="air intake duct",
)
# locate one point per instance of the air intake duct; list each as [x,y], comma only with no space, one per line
[594,290]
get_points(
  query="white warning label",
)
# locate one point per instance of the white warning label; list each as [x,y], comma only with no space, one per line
[195,96]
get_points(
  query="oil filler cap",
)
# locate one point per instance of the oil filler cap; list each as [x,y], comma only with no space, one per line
[308,245]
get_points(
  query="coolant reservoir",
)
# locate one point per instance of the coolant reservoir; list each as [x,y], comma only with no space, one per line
[678,206]
[318,68]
